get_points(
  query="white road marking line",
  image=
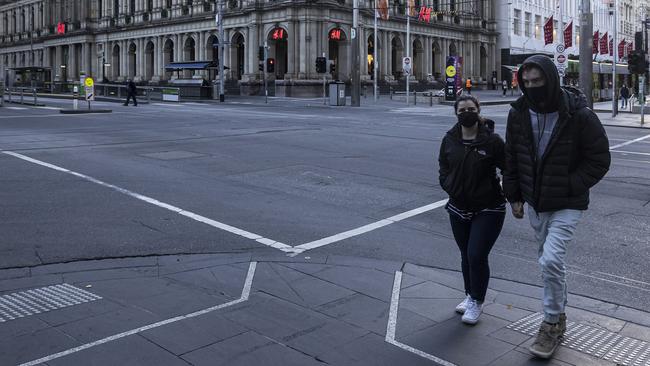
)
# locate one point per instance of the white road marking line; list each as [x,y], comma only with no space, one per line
[629,142]
[219,225]
[366,228]
[168,104]
[52,108]
[631,152]
[16,108]
[244,297]
[392,325]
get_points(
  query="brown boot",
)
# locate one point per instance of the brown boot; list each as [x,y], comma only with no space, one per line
[548,338]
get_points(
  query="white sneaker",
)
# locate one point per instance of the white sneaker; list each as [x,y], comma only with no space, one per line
[460,308]
[473,312]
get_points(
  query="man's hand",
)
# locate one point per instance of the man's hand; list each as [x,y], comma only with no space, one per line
[517,209]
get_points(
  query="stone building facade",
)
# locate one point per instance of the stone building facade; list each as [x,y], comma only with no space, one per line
[118,39]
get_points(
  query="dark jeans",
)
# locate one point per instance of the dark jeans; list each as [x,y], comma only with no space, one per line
[128,97]
[475,239]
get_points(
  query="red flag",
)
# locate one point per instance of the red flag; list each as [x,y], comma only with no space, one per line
[603,44]
[621,49]
[548,31]
[568,35]
[594,47]
[425,14]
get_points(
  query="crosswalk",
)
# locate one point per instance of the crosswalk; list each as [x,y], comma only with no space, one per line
[16,108]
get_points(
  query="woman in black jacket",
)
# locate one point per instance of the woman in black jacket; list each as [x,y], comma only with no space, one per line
[469,156]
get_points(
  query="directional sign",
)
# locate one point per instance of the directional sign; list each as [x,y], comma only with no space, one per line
[89,82]
[560,59]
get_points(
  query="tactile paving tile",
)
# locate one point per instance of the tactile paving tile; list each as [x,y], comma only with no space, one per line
[597,342]
[40,300]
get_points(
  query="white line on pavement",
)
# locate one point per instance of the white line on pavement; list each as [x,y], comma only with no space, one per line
[52,108]
[629,142]
[366,228]
[631,152]
[391,327]
[244,297]
[219,225]
[16,108]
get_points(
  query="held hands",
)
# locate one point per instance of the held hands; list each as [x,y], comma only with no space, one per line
[517,209]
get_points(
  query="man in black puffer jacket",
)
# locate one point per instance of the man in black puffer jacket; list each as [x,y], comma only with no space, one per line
[556,150]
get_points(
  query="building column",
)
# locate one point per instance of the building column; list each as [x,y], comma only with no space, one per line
[139,56]
[226,57]
[124,56]
[252,44]
[302,41]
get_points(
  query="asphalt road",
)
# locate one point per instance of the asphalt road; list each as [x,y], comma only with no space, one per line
[291,172]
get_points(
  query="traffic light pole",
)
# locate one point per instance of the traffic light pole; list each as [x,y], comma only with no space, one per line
[266,57]
[356,62]
[613,12]
[222,97]
[586,39]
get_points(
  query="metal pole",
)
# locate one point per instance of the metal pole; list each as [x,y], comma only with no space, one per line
[408,47]
[356,61]
[586,39]
[222,97]
[561,31]
[324,87]
[264,71]
[642,97]
[612,11]
[375,60]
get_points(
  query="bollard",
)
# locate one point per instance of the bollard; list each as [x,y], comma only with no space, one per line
[415,98]
[22,92]
[35,97]
[430,99]
[390,90]
[148,91]
[9,90]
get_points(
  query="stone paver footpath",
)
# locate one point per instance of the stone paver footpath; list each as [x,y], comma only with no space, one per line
[249,309]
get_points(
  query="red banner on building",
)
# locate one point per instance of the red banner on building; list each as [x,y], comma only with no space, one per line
[548,31]
[611,46]
[383,9]
[603,44]
[621,49]
[594,47]
[568,35]
[425,14]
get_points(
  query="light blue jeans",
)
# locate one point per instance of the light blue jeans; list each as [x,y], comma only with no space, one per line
[553,231]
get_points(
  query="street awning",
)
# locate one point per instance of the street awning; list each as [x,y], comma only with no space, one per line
[192,65]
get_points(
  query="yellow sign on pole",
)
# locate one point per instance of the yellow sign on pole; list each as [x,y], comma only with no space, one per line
[451,71]
[89,82]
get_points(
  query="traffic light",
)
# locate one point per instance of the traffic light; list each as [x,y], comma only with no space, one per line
[638,41]
[260,53]
[636,62]
[321,65]
[270,65]
[260,66]
[332,67]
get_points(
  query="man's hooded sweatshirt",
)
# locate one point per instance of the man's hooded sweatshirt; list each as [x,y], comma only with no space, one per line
[555,150]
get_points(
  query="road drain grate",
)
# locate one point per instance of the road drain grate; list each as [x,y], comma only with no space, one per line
[41,300]
[597,342]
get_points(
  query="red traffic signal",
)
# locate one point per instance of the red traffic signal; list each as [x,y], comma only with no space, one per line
[270,65]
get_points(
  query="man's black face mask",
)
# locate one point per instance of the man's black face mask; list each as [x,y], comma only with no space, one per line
[539,97]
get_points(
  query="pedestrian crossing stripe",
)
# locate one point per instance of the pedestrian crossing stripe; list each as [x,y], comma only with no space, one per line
[16,108]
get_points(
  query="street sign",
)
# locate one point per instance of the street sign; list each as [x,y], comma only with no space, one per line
[353,33]
[451,71]
[216,19]
[560,59]
[89,88]
[406,65]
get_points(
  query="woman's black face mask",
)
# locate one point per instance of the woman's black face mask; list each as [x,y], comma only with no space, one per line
[468,119]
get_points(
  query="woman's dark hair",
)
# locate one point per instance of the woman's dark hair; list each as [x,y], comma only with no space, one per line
[463,98]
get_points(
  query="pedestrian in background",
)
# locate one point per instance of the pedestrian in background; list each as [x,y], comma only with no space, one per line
[469,155]
[504,86]
[625,95]
[130,93]
[468,86]
[556,150]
